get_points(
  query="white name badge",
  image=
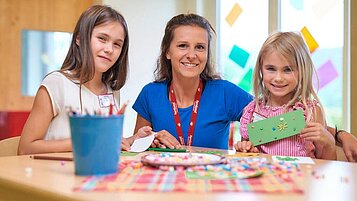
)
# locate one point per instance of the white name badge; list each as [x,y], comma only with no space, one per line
[257,117]
[105,100]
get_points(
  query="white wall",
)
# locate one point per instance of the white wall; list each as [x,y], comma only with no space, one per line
[146,23]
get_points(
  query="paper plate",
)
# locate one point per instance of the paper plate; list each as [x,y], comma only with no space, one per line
[181,159]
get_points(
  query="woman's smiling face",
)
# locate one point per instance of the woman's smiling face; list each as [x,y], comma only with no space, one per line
[188,51]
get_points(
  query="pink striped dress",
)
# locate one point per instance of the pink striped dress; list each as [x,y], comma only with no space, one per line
[291,146]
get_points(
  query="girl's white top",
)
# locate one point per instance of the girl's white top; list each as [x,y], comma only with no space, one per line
[64,95]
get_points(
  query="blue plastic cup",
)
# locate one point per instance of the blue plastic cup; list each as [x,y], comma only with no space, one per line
[96,143]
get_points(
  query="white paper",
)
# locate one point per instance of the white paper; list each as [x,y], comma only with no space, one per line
[293,159]
[142,144]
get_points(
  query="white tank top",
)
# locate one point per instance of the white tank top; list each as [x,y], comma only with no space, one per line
[64,93]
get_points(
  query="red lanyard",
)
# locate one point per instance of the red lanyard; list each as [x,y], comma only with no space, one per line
[196,103]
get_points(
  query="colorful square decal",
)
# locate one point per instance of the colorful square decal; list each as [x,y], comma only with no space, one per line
[311,42]
[239,56]
[233,14]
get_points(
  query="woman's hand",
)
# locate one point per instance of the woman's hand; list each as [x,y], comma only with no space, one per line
[245,146]
[349,145]
[143,132]
[125,145]
[164,139]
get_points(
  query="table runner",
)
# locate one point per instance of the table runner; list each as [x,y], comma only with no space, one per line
[132,176]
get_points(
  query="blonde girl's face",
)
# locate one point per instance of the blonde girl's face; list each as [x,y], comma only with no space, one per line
[106,42]
[188,52]
[279,78]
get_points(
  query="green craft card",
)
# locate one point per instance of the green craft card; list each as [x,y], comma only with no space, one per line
[276,128]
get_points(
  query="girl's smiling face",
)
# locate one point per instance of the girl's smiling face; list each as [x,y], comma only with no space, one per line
[106,43]
[279,78]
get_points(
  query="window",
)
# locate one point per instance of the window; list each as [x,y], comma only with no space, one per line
[324,20]
[41,53]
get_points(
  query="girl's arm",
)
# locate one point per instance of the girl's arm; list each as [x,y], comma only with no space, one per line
[36,126]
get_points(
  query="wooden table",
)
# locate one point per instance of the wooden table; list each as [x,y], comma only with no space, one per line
[24,178]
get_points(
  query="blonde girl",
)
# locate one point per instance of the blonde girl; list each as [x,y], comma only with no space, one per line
[282,83]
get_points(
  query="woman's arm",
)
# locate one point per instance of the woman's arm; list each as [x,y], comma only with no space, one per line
[347,141]
[36,126]
[140,123]
[349,145]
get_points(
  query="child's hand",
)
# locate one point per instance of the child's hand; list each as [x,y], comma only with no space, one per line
[143,132]
[125,145]
[317,133]
[322,139]
[245,146]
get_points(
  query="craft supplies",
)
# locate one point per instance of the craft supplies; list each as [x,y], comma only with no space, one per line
[181,159]
[228,177]
[47,157]
[166,149]
[276,128]
[142,144]
[293,159]
[211,152]
[96,143]
[127,153]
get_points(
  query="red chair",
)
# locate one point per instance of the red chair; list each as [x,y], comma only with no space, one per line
[11,123]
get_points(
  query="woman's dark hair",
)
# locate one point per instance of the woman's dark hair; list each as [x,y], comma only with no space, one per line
[163,71]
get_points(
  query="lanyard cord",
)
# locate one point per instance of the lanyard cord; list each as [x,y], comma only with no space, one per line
[80,97]
[193,114]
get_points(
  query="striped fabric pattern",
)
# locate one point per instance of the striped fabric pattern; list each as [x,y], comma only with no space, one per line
[291,146]
[150,179]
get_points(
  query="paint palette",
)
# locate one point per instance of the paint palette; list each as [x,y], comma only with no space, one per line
[276,128]
[181,159]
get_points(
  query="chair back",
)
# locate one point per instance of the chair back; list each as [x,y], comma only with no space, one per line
[8,147]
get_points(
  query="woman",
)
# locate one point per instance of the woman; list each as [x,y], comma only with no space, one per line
[189,104]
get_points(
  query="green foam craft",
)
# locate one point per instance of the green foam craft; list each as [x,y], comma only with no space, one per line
[276,128]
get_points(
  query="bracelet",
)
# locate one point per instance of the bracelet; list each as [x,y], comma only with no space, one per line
[336,134]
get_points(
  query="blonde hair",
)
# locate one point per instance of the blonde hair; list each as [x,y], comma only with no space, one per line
[293,48]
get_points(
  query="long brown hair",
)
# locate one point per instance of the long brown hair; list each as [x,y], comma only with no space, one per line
[79,62]
[163,71]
